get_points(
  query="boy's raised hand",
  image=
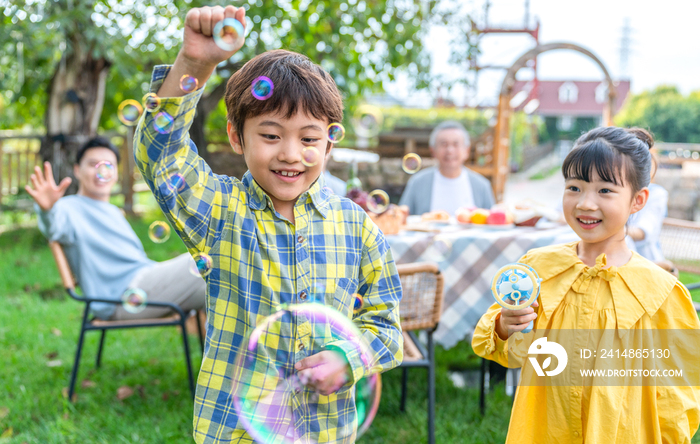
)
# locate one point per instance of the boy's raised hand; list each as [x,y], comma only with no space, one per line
[44,190]
[325,371]
[198,43]
[199,53]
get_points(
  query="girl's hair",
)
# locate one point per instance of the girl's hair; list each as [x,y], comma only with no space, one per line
[610,150]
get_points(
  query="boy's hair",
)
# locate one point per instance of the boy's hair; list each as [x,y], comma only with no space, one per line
[96,142]
[299,85]
[609,150]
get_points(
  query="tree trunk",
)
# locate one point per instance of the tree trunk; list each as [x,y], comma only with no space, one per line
[76,98]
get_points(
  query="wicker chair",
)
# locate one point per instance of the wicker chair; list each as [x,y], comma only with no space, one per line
[178,318]
[680,244]
[421,308]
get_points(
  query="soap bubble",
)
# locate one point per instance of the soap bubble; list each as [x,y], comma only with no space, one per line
[336,132]
[378,201]
[202,265]
[411,163]
[262,88]
[265,383]
[163,122]
[188,83]
[368,120]
[310,156]
[227,32]
[151,102]
[134,300]
[159,231]
[129,112]
[104,171]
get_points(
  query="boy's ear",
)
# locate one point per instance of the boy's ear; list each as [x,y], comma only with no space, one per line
[76,168]
[329,147]
[234,139]
[639,200]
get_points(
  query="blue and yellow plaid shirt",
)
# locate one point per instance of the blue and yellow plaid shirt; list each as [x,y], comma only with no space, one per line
[260,261]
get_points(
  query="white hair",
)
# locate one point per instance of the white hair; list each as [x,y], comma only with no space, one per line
[449,124]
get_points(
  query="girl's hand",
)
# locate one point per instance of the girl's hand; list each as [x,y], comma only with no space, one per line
[511,321]
[44,190]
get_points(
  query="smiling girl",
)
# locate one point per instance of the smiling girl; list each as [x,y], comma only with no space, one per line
[596,285]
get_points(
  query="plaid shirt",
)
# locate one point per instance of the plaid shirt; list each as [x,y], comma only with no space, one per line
[261,260]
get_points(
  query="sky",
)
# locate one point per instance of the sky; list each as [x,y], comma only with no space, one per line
[664,44]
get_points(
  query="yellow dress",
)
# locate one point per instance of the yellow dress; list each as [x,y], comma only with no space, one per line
[638,295]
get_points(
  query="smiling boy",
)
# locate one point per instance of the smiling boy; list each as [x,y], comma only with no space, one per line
[272,236]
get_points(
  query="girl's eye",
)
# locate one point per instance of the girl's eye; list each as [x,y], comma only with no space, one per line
[572,188]
[606,191]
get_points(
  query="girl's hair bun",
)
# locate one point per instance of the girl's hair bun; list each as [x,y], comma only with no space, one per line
[643,135]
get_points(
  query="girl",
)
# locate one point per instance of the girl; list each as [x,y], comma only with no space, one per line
[593,285]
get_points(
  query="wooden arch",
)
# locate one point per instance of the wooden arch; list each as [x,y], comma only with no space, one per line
[501,140]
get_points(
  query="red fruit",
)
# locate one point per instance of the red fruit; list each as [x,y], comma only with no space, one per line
[497,217]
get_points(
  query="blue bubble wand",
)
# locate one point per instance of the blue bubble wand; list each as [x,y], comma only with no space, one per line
[516,286]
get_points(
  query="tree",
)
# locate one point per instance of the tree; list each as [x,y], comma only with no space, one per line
[72,59]
[671,116]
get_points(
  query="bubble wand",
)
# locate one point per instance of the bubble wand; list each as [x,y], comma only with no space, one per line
[516,286]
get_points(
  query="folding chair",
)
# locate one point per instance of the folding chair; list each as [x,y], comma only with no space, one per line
[91,323]
[680,244]
[421,308]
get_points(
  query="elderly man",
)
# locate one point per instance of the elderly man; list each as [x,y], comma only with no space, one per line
[450,185]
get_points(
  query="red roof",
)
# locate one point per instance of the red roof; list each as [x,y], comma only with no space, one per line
[584,103]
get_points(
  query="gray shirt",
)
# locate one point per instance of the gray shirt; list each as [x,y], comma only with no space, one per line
[419,190]
[100,245]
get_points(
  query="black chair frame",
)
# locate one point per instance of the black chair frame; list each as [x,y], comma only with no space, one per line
[87,324]
[428,362]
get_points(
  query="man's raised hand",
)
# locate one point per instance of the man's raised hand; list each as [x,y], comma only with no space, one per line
[44,190]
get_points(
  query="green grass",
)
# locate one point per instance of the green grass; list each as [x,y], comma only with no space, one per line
[38,324]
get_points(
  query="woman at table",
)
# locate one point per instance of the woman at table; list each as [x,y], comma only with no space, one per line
[644,226]
[590,287]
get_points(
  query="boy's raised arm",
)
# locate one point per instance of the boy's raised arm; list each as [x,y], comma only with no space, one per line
[189,193]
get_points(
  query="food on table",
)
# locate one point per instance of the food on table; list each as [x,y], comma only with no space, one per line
[497,217]
[439,216]
[391,220]
[359,197]
[479,216]
[464,214]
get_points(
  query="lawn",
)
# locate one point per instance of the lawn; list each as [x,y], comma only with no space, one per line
[39,326]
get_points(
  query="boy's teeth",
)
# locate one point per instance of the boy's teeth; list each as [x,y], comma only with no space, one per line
[288,173]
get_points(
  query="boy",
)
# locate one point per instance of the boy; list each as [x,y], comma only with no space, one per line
[272,236]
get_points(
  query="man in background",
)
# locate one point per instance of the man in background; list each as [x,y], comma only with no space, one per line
[103,250]
[450,185]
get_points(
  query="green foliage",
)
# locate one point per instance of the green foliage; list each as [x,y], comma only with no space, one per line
[580,126]
[361,43]
[474,120]
[671,116]
[525,130]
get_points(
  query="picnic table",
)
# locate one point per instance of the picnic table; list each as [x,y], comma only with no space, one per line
[468,257]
